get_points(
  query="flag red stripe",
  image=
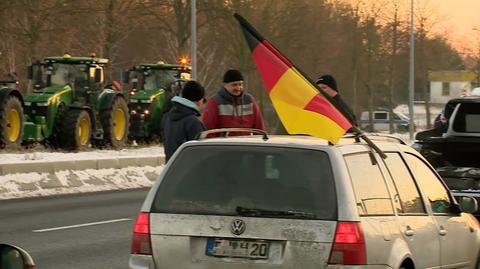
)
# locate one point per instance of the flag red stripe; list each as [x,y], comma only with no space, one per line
[321,105]
[270,64]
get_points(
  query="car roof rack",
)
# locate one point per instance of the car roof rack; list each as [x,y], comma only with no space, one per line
[379,137]
[226,132]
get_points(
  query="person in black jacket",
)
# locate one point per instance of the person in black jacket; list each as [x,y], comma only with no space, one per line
[328,84]
[182,123]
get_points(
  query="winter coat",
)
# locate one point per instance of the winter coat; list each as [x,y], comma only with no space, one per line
[181,124]
[344,109]
[226,111]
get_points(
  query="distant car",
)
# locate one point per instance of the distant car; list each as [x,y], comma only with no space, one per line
[298,202]
[381,121]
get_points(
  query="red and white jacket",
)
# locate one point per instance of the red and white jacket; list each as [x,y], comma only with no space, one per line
[226,111]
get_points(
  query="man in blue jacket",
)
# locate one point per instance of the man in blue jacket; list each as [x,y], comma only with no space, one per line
[182,122]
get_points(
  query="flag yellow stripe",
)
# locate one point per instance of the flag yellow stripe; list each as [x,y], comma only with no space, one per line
[299,121]
[290,86]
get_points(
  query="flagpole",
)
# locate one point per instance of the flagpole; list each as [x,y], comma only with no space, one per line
[369,142]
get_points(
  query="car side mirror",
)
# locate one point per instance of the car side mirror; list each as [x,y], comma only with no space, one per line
[30,72]
[13,257]
[98,75]
[467,204]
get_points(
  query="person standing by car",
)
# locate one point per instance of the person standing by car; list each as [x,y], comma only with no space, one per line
[231,107]
[181,123]
[329,86]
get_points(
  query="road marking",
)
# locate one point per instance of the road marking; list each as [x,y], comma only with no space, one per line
[80,225]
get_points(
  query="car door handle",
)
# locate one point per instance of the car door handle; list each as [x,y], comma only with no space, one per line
[409,231]
[442,231]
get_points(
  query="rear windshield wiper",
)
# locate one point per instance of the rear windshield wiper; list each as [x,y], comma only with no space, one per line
[256,212]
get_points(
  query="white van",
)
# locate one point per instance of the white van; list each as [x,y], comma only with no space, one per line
[381,121]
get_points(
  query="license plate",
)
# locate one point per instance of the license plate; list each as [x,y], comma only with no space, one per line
[252,249]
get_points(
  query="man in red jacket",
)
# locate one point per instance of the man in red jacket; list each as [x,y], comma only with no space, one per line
[231,107]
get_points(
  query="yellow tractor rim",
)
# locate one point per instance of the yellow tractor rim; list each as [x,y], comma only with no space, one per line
[14,123]
[84,132]
[119,124]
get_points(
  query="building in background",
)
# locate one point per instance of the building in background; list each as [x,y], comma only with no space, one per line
[445,85]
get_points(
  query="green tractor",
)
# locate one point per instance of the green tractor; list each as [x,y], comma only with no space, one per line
[71,108]
[152,87]
[11,114]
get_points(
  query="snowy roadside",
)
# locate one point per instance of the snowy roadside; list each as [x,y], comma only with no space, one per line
[54,173]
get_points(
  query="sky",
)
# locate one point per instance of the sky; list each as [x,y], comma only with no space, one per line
[455,19]
[464,18]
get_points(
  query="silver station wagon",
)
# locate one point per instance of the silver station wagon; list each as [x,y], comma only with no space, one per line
[299,202]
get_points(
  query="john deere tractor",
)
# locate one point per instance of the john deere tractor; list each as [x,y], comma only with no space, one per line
[11,114]
[70,107]
[152,87]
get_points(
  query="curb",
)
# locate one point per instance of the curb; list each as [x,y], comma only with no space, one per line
[56,166]
[45,178]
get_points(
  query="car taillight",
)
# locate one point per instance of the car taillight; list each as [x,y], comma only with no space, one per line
[349,245]
[141,235]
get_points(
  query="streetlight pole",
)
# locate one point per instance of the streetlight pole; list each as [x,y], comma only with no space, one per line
[411,74]
[194,40]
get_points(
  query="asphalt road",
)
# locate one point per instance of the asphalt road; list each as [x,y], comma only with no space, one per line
[73,231]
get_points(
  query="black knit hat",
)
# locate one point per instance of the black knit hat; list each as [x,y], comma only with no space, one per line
[193,91]
[327,80]
[232,75]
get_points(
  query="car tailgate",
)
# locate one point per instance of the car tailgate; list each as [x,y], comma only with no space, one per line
[181,241]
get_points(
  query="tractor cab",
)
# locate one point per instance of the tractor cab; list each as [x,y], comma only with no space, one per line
[147,77]
[152,87]
[83,76]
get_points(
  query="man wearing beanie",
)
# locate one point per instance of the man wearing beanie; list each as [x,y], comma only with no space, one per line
[231,107]
[329,86]
[181,123]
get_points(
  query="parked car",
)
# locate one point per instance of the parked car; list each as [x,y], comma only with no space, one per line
[298,202]
[381,121]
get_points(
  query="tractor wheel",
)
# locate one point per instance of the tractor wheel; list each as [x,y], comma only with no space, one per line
[76,130]
[11,122]
[115,123]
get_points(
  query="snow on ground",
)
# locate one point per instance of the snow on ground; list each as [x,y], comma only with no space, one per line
[50,155]
[21,185]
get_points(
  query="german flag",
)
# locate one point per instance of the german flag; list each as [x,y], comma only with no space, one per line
[298,102]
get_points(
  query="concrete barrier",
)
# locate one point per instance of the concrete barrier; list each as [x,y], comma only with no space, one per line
[43,178]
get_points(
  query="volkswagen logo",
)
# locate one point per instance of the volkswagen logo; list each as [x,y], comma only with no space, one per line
[238,226]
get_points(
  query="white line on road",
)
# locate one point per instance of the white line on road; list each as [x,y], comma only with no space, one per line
[80,225]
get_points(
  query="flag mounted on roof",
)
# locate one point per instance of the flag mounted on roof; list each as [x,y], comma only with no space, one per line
[297,101]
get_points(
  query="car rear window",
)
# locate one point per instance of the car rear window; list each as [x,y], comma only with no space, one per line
[467,119]
[215,180]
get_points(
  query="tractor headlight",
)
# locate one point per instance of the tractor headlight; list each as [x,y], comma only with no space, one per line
[42,104]
[145,101]
[28,103]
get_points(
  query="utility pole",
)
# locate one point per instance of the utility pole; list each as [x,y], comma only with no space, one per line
[411,74]
[194,40]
